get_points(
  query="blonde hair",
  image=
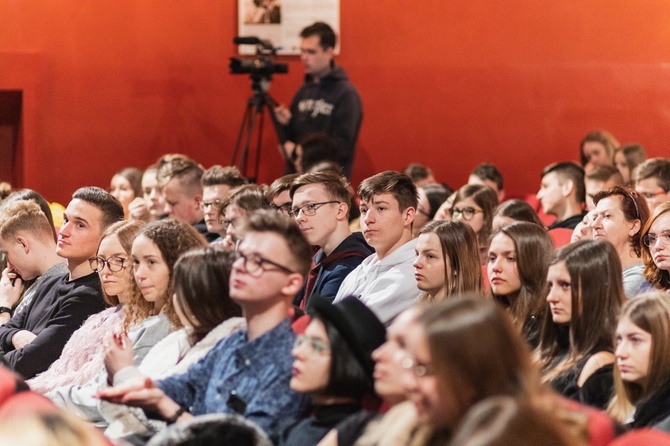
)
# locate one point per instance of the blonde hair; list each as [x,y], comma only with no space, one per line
[24,216]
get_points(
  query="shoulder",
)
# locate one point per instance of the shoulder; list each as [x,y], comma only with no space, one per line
[594,363]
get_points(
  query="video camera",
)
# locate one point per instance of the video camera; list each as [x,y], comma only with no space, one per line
[260,66]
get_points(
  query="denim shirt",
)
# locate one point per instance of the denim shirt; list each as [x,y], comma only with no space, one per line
[250,378]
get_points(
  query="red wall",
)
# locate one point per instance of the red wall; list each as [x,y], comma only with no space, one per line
[113,83]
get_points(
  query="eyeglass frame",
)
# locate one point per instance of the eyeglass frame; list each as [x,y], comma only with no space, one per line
[215,205]
[468,210]
[313,207]
[262,260]
[316,346]
[649,243]
[106,262]
[285,208]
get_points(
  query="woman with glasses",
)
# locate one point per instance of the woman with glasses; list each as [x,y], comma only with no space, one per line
[519,255]
[447,261]
[431,196]
[576,345]
[83,355]
[642,371]
[619,217]
[656,248]
[150,315]
[241,202]
[462,351]
[474,205]
[333,364]
[208,315]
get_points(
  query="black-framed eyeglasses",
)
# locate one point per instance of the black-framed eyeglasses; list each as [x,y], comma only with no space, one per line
[114,264]
[225,223]
[467,213]
[419,370]
[216,204]
[284,208]
[650,239]
[309,209]
[256,265]
[316,346]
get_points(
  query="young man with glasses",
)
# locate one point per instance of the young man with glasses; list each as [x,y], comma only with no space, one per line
[217,181]
[35,337]
[249,372]
[652,181]
[321,208]
[385,280]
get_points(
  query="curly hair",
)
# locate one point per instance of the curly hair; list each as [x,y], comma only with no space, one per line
[172,238]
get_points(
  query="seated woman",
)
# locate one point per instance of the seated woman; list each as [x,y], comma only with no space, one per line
[207,314]
[462,351]
[519,255]
[656,248]
[447,260]
[83,355]
[515,210]
[431,196]
[149,312]
[642,371]
[474,205]
[585,296]
[125,186]
[333,364]
[584,229]
[240,203]
[619,217]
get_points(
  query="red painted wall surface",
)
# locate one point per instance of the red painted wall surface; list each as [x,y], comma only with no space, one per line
[110,83]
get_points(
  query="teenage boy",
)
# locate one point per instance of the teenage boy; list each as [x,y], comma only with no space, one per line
[652,181]
[34,338]
[385,280]
[562,194]
[27,242]
[488,175]
[216,182]
[600,178]
[321,208]
[249,372]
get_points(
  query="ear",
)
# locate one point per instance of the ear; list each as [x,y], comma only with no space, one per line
[408,216]
[330,51]
[196,200]
[567,187]
[293,284]
[635,227]
[342,211]
[23,242]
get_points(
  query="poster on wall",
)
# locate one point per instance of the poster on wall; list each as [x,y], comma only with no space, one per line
[280,21]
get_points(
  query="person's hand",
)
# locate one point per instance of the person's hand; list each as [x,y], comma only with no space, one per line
[137,210]
[140,392]
[282,114]
[10,293]
[22,338]
[118,354]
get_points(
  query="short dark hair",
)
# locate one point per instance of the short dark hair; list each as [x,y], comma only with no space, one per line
[200,283]
[271,221]
[487,171]
[397,184]
[518,210]
[347,376]
[280,185]
[249,197]
[327,38]
[604,173]
[568,170]
[436,194]
[219,175]
[417,171]
[658,168]
[111,208]
[633,206]
[316,148]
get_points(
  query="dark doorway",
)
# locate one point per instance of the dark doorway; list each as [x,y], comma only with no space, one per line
[10,131]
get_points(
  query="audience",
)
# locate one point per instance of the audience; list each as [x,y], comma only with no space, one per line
[217,181]
[241,202]
[562,194]
[487,174]
[601,178]
[597,149]
[655,248]
[652,181]
[626,159]
[431,196]
[474,205]
[514,210]
[125,186]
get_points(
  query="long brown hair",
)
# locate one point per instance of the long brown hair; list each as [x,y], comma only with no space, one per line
[460,250]
[172,238]
[487,199]
[659,278]
[651,313]
[597,296]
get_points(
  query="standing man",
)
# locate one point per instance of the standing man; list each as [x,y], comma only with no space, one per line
[327,101]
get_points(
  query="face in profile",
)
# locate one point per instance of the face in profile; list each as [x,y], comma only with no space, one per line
[583,230]
[312,359]
[610,224]
[502,266]
[633,351]
[559,296]
[152,274]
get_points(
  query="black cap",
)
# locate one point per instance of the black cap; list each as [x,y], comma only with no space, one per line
[356,323]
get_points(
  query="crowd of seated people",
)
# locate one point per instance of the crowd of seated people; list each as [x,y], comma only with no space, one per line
[185,303]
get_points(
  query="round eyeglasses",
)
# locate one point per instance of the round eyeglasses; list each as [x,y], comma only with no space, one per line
[114,264]
[256,265]
[467,213]
[309,210]
[215,205]
[650,239]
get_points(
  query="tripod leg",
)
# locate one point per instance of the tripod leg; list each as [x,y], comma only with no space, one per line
[245,120]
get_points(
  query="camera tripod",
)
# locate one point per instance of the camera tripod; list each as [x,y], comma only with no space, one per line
[254,114]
